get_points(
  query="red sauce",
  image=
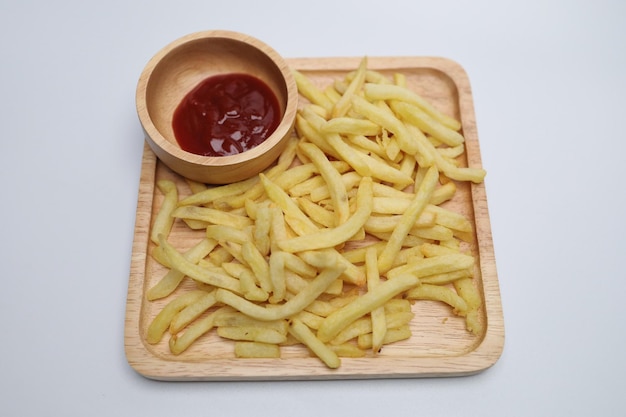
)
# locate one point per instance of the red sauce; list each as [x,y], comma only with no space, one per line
[226,115]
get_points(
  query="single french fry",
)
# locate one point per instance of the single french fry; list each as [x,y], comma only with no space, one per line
[379,323]
[308,338]
[163,220]
[422,196]
[342,106]
[439,293]
[192,312]
[256,350]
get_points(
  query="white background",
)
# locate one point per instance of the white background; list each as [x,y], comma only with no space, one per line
[549,84]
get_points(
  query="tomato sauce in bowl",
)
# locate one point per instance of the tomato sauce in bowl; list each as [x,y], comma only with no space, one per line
[226,114]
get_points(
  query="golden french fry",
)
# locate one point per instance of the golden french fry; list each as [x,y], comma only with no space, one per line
[212,277]
[364,341]
[217,192]
[311,92]
[413,114]
[256,350]
[162,321]
[435,265]
[342,105]
[439,293]
[467,290]
[379,323]
[307,337]
[192,312]
[289,308]
[163,221]
[422,196]
[351,126]
[173,278]
[328,238]
[375,91]
[338,192]
[252,334]
[383,292]
[212,216]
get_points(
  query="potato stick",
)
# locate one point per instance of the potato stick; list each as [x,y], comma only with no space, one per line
[393,335]
[308,338]
[439,293]
[311,92]
[449,219]
[295,264]
[347,350]
[467,290]
[416,116]
[363,325]
[396,305]
[333,95]
[213,193]
[256,191]
[337,321]
[351,126]
[446,277]
[443,193]
[385,260]
[399,79]
[435,232]
[453,152]
[337,189]
[388,122]
[386,172]
[163,220]
[342,149]
[227,233]
[307,131]
[173,278]
[430,250]
[357,255]
[212,216]
[379,323]
[288,206]
[328,238]
[366,144]
[252,334]
[316,287]
[473,174]
[317,213]
[192,312]
[350,180]
[180,343]
[325,258]
[256,350]
[390,92]
[161,322]
[256,261]
[343,105]
[211,277]
[277,277]
[312,321]
[435,265]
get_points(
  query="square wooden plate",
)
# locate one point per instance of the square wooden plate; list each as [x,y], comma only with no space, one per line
[440,345]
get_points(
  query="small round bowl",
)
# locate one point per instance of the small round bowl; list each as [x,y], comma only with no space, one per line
[179,67]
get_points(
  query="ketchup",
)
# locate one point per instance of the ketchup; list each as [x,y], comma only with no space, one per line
[226,115]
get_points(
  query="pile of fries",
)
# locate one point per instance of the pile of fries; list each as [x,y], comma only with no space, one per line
[332,245]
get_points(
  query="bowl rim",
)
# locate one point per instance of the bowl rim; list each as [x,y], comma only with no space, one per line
[282,130]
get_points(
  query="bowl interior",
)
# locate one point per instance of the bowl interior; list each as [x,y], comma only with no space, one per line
[185,65]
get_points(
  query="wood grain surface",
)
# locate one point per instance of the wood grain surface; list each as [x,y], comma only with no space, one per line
[440,345]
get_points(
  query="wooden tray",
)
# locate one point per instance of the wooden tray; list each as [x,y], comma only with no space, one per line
[440,345]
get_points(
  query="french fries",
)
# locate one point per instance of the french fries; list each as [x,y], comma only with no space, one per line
[330,248]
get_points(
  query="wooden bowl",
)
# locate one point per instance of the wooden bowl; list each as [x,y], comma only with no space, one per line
[175,70]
